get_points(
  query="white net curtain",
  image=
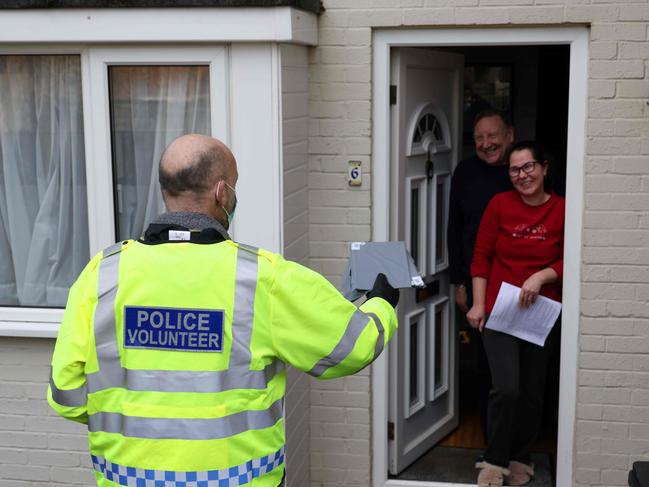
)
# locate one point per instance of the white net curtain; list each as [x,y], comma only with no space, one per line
[150,106]
[43,210]
[43,206]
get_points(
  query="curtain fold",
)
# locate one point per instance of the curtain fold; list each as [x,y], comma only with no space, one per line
[151,106]
[43,207]
[43,196]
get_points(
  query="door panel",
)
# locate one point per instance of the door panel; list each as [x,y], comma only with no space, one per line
[425,147]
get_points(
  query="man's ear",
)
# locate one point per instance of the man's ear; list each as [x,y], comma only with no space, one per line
[219,191]
[510,134]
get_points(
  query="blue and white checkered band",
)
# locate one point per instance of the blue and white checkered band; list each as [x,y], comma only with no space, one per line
[228,477]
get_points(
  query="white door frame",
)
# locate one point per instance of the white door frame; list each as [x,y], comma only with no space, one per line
[577,39]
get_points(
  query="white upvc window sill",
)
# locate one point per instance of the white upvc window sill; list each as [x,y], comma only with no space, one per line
[29,329]
[30,322]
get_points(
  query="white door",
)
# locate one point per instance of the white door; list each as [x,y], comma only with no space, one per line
[425,146]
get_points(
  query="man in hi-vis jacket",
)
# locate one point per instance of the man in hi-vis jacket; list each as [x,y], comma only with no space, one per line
[172,347]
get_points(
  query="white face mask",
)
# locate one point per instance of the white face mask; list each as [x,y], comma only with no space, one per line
[230,215]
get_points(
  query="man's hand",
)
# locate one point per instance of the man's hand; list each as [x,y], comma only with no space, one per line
[476,317]
[461,298]
[383,289]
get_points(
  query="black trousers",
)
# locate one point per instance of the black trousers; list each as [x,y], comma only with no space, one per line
[518,374]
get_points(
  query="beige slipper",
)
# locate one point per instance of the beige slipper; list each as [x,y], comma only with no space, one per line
[490,475]
[520,473]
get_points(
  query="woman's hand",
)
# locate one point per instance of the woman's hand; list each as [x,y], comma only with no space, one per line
[530,289]
[476,317]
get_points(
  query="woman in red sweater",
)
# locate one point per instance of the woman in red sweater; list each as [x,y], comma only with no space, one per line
[520,241]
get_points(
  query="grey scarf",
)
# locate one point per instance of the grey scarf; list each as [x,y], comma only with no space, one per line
[191,221]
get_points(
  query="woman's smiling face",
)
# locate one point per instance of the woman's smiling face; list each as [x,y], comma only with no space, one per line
[528,184]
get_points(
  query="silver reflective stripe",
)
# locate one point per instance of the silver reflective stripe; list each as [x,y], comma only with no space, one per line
[356,325]
[379,341]
[225,477]
[244,307]
[238,376]
[188,381]
[71,397]
[105,334]
[186,428]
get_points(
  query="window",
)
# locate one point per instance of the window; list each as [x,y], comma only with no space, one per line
[416,226]
[150,106]
[60,189]
[439,348]
[153,95]
[442,187]
[43,209]
[429,131]
[217,72]
[415,353]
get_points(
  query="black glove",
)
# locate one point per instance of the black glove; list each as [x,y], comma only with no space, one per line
[383,289]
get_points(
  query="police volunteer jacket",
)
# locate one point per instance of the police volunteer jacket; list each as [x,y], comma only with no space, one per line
[173,353]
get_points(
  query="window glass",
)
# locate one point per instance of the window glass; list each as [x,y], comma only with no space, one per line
[414,362]
[440,230]
[43,208]
[439,364]
[150,106]
[414,224]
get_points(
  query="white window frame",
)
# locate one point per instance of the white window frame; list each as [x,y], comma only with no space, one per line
[94,60]
[27,321]
[250,80]
[99,173]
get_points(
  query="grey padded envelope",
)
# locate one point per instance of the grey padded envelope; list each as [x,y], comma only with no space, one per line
[368,259]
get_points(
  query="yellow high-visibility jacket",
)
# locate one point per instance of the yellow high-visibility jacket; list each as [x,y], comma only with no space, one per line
[173,354]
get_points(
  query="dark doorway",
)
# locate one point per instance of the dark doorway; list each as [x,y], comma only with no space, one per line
[531,83]
[552,110]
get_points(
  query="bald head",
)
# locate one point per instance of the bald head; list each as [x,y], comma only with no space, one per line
[190,167]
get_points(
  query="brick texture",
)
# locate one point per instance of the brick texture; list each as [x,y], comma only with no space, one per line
[37,448]
[294,86]
[613,378]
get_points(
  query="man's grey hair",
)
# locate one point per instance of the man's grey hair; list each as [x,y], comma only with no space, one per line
[492,112]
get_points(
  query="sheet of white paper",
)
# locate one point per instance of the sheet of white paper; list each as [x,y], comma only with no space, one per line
[532,324]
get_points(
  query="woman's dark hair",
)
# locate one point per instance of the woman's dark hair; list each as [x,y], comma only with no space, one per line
[540,155]
[538,152]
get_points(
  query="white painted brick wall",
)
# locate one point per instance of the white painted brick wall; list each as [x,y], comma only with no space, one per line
[613,389]
[294,86]
[37,448]
[340,431]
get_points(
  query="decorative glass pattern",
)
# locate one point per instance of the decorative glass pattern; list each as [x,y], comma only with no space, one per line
[428,123]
